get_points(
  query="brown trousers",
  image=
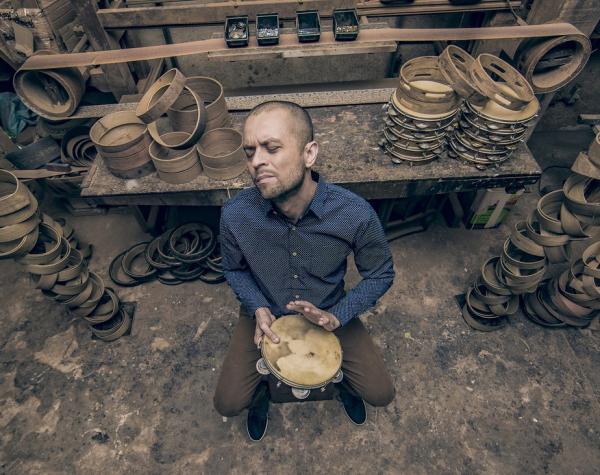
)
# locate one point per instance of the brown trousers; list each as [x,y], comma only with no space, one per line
[362,365]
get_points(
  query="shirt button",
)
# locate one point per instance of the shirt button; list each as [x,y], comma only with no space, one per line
[294,254]
[296,296]
[295,276]
[293,228]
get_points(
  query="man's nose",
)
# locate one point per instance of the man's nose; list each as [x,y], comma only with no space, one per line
[259,158]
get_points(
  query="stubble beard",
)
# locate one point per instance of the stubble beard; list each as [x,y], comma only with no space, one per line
[281,192]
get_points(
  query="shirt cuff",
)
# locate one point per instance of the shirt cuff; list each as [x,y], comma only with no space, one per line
[340,312]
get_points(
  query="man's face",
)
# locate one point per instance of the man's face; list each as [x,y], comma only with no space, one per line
[275,158]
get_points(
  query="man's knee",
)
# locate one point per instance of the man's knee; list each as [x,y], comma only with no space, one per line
[381,396]
[228,406]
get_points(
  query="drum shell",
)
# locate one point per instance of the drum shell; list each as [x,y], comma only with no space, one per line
[221,154]
[122,140]
[531,51]
[175,166]
[454,63]
[514,93]
[118,132]
[211,93]
[438,107]
[170,160]
[424,68]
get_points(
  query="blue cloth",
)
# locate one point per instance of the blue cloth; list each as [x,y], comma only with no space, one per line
[269,261]
[14,116]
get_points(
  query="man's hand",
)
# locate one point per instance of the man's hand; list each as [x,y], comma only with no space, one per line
[319,317]
[264,319]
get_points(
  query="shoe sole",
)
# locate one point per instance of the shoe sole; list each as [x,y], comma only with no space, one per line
[261,437]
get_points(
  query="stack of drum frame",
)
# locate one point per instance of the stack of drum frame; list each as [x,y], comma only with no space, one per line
[166,129]
[182,254]
[481,108]
[420,114]
[499,105]
[546,237]
[56,261]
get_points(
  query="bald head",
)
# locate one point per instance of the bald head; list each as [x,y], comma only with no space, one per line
[301,126]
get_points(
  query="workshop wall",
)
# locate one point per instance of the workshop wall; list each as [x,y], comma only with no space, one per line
[299,70]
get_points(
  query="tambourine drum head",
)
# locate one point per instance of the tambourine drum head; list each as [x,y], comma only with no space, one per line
[306,356]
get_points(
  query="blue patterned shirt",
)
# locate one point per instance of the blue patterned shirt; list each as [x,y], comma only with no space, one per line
[269,261]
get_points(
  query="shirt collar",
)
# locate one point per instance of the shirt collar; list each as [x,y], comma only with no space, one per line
[317,204]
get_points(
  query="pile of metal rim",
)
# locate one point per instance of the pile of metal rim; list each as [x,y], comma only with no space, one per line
[499,106]
[420,113]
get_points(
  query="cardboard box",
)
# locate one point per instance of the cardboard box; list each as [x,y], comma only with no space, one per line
[491,207]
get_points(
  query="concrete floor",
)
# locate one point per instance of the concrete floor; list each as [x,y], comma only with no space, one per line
[521,400]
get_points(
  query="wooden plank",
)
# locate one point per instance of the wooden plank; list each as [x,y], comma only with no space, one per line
[210,13]
[121,82]
[23,39]
[204,48]
[8,54]
[215,13]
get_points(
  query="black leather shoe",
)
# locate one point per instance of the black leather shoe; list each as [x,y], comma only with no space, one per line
[258,415]
[353,406]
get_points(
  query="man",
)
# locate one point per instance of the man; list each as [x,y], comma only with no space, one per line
[284,245]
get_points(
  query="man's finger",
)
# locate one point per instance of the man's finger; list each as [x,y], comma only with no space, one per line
[267,331]
[304,303]
[258,333]
[305,307]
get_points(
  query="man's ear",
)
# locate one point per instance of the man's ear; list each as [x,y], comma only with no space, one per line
[311,150]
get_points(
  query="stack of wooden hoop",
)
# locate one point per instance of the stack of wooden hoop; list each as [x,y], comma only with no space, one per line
[496,102]
[122,140]
[499,105]
[56,261]
[421,112]
[175,119]
[560,217]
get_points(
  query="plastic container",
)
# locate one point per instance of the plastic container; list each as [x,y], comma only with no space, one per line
[308,25]
[345,24]
[267,29]
[236,31]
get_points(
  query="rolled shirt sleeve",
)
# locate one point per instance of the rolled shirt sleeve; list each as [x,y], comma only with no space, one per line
[374,263]
[237,273]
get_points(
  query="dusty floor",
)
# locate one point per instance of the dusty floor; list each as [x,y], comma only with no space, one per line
[519,401]
[522,400]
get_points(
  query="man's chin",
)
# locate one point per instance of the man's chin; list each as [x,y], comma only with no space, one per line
[268,192]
